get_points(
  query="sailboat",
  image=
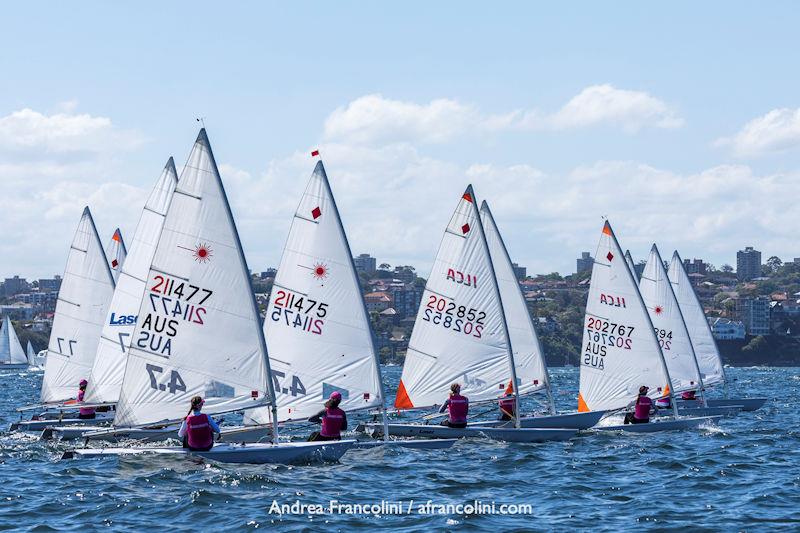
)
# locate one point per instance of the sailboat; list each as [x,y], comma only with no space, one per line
[461,336]
[108,369]
[198,331]
[673,336]
[629,261]
[529,359]
[83,299]
[620,349]
[35,362]
[705,347]
[317,326]
[116,252]
[12,356]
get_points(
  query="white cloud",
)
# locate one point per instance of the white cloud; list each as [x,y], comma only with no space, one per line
[64,132]
[52,166]
[777,131]
[632,110]
[374,119]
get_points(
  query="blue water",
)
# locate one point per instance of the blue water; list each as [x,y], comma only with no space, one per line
[742,475]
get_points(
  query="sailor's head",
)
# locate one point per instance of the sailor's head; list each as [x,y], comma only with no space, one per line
[455,388]
[643,389]
[335,396]
[83,384]
[197,402]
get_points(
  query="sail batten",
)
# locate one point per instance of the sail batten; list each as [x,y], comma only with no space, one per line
[197,332]
[84,296]
[317,327]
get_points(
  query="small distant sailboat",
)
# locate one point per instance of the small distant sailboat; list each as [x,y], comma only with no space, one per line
[198,331]
[12,356]
[36,361]
[317,327]
[703,343]
[620,349]
[461,336]
[116,252]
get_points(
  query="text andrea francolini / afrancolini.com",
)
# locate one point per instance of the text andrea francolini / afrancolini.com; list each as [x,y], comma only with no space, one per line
[399,507]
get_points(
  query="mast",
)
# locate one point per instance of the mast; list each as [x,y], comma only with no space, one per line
[651,329]
[546,374]
[512,366]
[363,305]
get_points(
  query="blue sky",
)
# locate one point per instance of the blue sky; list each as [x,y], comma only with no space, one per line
[680,122]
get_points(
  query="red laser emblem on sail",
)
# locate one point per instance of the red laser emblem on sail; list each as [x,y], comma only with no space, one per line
[202,253]
[320,271]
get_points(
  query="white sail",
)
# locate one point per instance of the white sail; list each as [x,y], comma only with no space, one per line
[316,327]
[11,351]
[108,370]
[668,324]
[30,354]
[705,347]
[116,252]
[528,355]
[629,260]
[620,352]
[198,330]
[83,299]
[460,333]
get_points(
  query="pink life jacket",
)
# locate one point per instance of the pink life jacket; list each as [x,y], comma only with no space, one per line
[642,410]
[198,431]
[688,395]
[332,422]
[507,405]
[84,410]
[457,409]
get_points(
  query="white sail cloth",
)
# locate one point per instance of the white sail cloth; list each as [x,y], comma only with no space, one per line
[668,323]
[620,352]
[11,351]
[460,334]
[528,355]
[116,252]
[86,290]
[108,369]
[31,355]
[703,343]
[198,330]
[316,326]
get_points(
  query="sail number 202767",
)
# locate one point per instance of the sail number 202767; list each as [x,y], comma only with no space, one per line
[601,334]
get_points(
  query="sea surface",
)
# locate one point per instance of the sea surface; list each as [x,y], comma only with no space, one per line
[743,475]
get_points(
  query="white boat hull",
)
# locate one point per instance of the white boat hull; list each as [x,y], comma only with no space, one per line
[562,421]
[415,444]
[504,434]
[103,433]
[747,404]
[730,410]
[662,425]
[15,366]
[283,453]
[39,425]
